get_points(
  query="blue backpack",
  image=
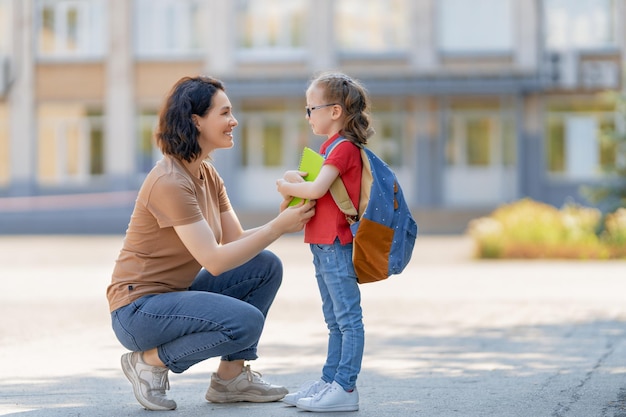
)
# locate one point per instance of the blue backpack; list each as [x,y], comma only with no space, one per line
[383,228]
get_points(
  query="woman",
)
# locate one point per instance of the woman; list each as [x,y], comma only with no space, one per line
[189,283]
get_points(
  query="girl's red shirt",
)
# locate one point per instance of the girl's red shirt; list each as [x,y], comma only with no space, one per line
[329,222]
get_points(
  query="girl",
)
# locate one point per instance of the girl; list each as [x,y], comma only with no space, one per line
[337,106]
[189,283]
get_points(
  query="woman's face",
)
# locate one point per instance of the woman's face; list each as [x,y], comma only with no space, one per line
[216,127]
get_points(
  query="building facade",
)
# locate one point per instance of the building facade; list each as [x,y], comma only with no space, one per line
[476,103]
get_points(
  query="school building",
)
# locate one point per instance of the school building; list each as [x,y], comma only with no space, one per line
[476,102]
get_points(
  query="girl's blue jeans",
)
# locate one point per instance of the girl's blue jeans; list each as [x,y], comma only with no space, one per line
[218,316]
[341,305]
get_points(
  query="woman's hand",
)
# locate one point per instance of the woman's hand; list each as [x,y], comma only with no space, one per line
[285,203]
[293,219]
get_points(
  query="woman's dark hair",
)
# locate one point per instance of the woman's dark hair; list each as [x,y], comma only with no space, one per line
[177,134]
[352,96]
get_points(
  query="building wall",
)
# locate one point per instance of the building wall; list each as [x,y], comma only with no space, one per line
[467,124]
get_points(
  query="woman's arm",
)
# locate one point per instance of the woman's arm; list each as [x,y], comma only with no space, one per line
[231,226]
[310,190]
[232,229]
[199,239]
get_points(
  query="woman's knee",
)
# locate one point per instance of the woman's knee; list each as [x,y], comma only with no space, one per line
[252,322]
[273,264]
[124,336]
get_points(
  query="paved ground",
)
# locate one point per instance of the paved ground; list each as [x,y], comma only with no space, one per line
[449,337]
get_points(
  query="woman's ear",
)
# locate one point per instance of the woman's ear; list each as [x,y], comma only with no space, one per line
[194,119]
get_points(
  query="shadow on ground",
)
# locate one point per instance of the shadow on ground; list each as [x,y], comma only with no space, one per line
[529,370]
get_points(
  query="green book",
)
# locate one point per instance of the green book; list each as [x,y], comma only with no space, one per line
[311,162]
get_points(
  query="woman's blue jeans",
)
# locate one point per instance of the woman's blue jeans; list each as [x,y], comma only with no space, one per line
[218,316]
[341,305]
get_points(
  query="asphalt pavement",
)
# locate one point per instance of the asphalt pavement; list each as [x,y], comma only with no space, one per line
[451,336]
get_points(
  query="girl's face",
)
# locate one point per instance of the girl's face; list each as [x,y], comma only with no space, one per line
[216,127]
[324,121]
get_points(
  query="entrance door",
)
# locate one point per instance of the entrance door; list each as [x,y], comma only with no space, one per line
[480,160]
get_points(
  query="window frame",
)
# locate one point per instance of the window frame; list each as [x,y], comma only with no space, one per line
[389,49]
[611,17]
[189,36]
[572,109]
[287,49]
[509,47]
[71,143]
[91,30]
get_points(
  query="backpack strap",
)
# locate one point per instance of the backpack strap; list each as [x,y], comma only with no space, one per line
[339,192]
[334,144]
[342,199]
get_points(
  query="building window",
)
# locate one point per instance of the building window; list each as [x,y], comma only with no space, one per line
[271,28]
[147,151]
[471,140]
[389,141]
[475,27]
[480,151]
[372,26]
[70,144]
[70,28]
[576,24]
[169,27]
[481,136]
[574,146]
[264,139]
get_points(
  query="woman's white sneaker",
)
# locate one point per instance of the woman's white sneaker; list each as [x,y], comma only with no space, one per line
[247,386]
[149,382]
[332,398]
[307,390]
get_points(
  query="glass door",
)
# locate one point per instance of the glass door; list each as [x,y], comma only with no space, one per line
[480,159]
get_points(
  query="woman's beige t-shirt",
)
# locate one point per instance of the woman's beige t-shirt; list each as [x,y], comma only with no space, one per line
[153,260]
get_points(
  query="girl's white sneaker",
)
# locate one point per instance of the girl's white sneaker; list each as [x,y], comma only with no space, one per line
[307,390]
[332,398]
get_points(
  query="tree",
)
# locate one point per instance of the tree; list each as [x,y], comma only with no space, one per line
[611,194]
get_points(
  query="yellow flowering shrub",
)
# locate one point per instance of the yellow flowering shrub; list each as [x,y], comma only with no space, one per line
[530,229]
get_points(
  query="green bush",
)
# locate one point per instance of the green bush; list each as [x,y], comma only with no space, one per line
[614,233]
[529,229]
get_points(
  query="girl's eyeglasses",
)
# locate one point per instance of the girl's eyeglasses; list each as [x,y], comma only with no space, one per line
[321,106]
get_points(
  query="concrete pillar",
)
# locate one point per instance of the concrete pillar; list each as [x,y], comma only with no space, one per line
[423,48]
[527,40]
[531,156]
[120,129]
[320,37]
[22,112]
[220,38]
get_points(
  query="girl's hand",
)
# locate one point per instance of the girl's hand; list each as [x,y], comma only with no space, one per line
[280,187]
[294,176]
